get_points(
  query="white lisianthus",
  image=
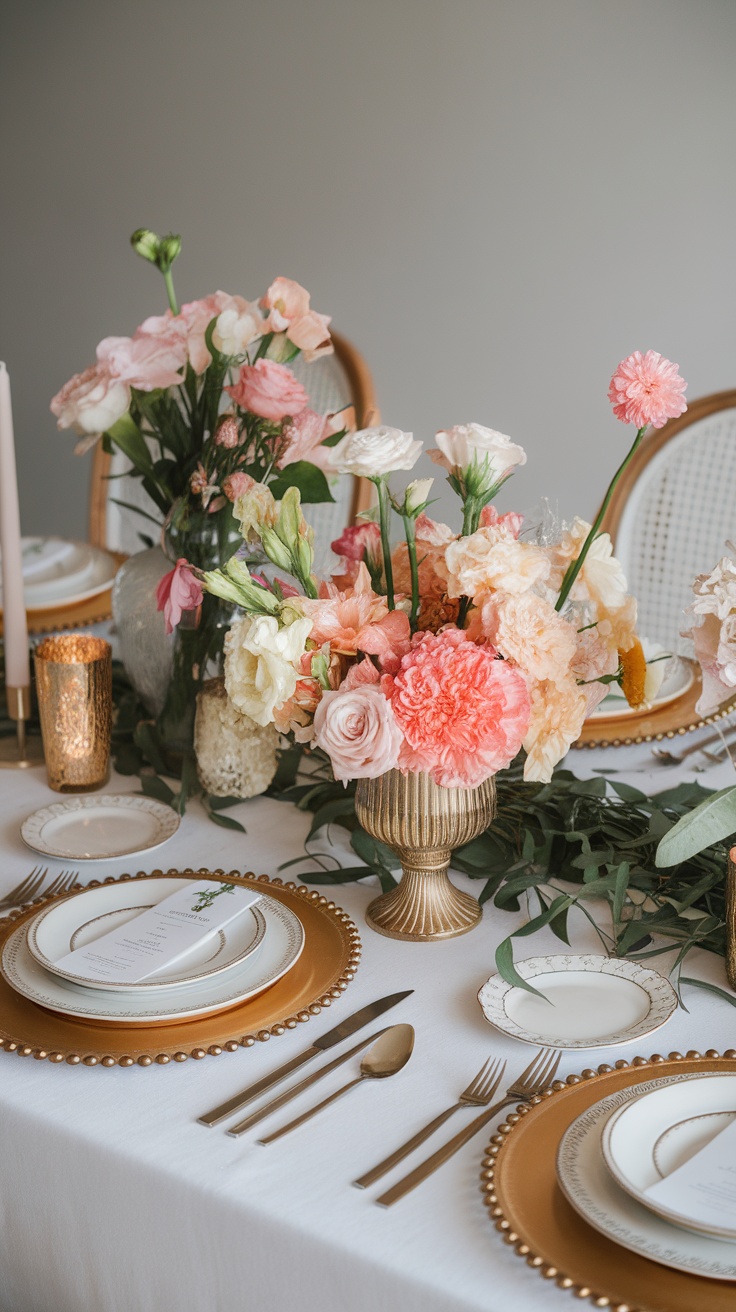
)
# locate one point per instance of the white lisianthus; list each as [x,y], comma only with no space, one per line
[416,495]
[255,508]
[471,446]
[373,452]
[261,663]
[235,329]
[91,401]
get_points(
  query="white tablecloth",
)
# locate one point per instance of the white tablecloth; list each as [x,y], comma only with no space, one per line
[113,1199]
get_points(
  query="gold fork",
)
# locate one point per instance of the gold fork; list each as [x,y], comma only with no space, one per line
[532,1081]
[478,1094]
[30,887]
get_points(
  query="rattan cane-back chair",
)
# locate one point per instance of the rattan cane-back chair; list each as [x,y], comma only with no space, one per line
[332,382]
[673,510]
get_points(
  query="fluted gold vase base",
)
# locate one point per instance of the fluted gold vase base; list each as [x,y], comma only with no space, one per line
[423,823]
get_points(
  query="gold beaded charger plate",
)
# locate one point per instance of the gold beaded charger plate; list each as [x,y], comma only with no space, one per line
[666,721]
[522,1193]
[323,971]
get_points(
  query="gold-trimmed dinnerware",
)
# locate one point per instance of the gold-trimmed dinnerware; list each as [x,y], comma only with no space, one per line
[319,977]
[532,1214]
[60,571]
[280,948]
[76,922]
[588,1001]
[102,828]
[657,1131]
[665,721]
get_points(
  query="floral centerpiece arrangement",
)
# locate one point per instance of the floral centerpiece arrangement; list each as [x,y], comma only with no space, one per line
[444,655]
[203,403]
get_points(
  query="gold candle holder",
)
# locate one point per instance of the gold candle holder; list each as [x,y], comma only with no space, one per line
[74,690]
[731,919]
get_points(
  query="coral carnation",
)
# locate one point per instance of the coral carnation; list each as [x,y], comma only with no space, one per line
[647,389]
[462,712]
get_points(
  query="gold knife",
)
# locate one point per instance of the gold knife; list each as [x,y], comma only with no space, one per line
[342,1031]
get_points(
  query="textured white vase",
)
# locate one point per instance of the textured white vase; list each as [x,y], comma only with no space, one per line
[146,649]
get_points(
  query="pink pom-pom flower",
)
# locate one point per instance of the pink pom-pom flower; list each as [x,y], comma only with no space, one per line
[647,389]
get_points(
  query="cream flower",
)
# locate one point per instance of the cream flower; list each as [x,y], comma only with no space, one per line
[528,630]
[236,327]
[254,508]
[492,454]
[492,559]
[261,663]
[558,711]
[372,452]
[601,579]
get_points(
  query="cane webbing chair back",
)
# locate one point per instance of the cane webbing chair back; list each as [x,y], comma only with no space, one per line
[673,511]
[332,382]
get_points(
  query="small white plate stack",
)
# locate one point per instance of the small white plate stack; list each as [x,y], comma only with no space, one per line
[57,572]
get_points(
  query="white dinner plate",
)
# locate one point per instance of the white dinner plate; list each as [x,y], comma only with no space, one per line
[57,571]
[281,947]
[591,1189]
[588,1001]
[99,828]
[83,917]
[661,1130]
[677,681]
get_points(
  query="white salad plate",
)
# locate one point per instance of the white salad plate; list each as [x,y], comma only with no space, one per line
[56,570]
[99,828]
[78,920]
[280,948]
[587,1001]
[590,1188]
[661,1130]
[678,679]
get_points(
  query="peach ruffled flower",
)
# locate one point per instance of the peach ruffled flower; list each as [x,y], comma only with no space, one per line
[492,559]
[595,657]
[511,520]
[529,631]
[178,591]
[647,389]
[268,389]
[357,729]
[558,710]
[435,607]
[357,619]
[463,713]
[287,305]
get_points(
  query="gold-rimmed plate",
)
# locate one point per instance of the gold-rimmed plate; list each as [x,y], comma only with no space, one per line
[666,721]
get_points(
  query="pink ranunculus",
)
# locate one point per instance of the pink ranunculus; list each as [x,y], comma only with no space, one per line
[268,389]
[357,730]
[178,591]
[512,520]
[647,389]
[356,620]
[303,437]
[358,541]
[91,402]
[237,484]
[463,713]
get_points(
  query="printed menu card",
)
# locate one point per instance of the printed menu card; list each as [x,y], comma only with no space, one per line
[160,935]
[703,1189]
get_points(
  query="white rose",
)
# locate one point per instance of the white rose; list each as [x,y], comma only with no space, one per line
[235,329]
[260,663]
[372,452]
[466,444]
[91,402]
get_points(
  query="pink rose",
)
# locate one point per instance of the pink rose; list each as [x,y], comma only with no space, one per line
[91,401]
[357,729]
[236,485]
[178,591]
[268,389]
[144,361]
[303,437]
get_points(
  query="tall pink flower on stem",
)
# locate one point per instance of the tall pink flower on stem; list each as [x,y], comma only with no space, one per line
[178,591]
[463,713]
[647,389]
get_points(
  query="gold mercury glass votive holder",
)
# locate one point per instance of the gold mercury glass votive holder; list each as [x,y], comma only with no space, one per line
[74,689]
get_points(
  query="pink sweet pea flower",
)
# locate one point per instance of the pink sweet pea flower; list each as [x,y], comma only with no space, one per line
[268,389]
[287,305]
[178,591]
[303,437]
[647,389]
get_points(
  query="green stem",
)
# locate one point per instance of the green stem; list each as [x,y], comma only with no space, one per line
[575,566]
[411,544]
[168,279]
[472,508]
[384,510]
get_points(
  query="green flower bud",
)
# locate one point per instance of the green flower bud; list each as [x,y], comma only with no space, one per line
[219,585]
[304,558]
[320,668]
[253,596]
[146,244]
[275,548]
[168,249]
[290,517]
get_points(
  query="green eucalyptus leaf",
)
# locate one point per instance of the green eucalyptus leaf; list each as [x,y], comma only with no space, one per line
[710,822]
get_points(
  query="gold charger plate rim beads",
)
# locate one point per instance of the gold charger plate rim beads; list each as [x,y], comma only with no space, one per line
[670,721]
[211,1035]
[501,1196]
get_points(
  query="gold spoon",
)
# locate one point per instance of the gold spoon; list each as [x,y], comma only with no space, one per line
[387,1056]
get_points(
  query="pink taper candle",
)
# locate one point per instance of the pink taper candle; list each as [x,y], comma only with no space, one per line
[15,627]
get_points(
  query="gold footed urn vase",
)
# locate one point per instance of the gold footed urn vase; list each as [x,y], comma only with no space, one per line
[423,823]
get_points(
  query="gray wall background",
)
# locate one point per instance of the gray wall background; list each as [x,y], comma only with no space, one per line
[495,199]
